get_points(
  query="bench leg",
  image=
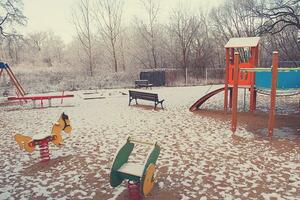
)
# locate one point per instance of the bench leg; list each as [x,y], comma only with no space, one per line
[162,105]
[136,102]
[129,101]
[155,104]
[49,101]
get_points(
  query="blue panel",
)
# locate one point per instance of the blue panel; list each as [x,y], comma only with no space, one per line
[286,80]
[2,65]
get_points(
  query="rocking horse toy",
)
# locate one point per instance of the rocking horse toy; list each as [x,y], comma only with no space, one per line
[139,176]
[28,143]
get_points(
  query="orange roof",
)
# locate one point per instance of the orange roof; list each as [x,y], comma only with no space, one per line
[242,42]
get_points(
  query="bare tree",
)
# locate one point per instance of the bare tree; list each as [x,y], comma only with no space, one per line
[108,14]
[231,19]
[37,39]
[82,21]
[11,15]
[53,47]
[277,15]
[148,30]
[202,47]
[40,46]
[286,43]
[184,26]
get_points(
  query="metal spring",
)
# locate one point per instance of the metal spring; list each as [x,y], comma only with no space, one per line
[134,190]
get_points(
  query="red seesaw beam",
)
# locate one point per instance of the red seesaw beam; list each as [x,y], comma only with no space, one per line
[39,97]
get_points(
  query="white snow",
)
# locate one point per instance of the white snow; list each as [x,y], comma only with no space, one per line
[243,42]
[199,158]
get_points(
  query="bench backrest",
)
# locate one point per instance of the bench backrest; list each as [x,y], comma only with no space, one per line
[144,82]
[143,95]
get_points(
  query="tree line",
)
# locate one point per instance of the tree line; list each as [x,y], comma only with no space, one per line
[190,41]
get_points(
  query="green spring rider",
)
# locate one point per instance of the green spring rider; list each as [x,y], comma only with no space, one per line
[140,174]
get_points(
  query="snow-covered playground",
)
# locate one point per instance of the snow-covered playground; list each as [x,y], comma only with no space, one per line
[199,159]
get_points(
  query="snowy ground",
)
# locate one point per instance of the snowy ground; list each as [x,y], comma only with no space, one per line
[199,157]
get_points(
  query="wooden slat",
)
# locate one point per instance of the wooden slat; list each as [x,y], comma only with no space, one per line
[141,81]
[143,95]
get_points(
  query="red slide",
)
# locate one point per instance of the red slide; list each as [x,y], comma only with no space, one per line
[198,103]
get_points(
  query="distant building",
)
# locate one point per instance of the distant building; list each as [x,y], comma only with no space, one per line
[162,76]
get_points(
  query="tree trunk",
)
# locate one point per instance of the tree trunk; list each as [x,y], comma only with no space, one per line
[154,57]
[90,56]
[184,65]
[114,56]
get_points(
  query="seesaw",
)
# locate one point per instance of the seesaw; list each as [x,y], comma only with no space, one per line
[139,176]
[28,143]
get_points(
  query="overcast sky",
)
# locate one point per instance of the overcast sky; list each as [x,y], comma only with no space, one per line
[55,15]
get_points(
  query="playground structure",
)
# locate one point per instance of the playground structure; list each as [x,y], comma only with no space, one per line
[14,80]
[21,92]
[139,176]
[42,140]
[242,58]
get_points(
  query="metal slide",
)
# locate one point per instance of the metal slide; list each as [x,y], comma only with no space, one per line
[198,103]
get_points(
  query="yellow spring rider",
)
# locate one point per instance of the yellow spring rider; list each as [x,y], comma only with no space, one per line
[29,143]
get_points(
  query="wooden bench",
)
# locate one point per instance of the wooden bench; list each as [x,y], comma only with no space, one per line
[145,96]
[142,83]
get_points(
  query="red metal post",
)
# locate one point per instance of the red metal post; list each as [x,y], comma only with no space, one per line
[230,97]
[235,92]
[226,80]
[273,93]
[255,97]
[252,79]
[15,81]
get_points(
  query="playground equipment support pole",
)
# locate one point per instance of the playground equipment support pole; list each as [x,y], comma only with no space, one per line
[252,80]
[244,101]
[134,190]
[62,99]
[15,81]
[205,76]
[257,55]
[226,80]
[273,93]
[230,98]
[235,92]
